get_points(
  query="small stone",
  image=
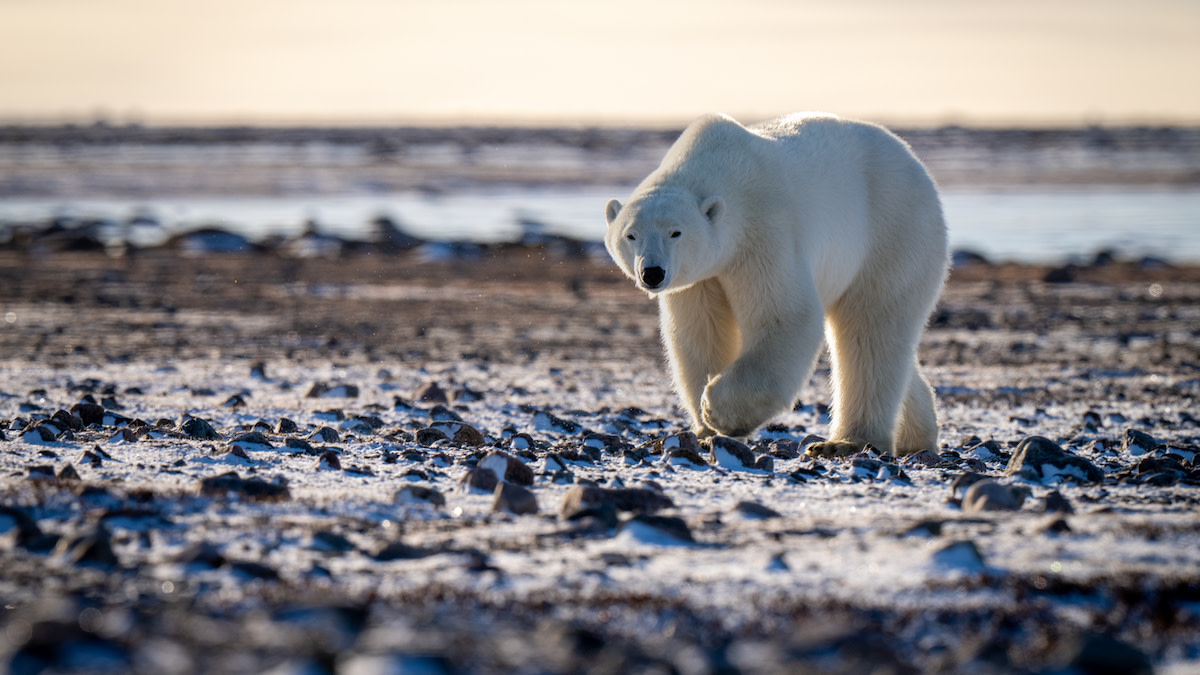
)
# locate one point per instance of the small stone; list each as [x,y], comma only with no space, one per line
[238,451]
[927,458]
[479,479]
[329,460]
[546,422]
[1055,502]
[784,448]
[964,481]
[959,555]
[199,429]
[254,489]
[325,540]
[430,393]
[582,498]
[1040,459]
[1095,653]
[286,426]
[419,493]
[324,435]
[988,495]
[68,472]
[89,413]
[398,550]
[235,401]
[467,435]
[1055,526]
[91,548]
[662,530]
[755,510]
[250,439]
[124,435]
[299,444]
[39,433]
[507,468]
[730,453]
[67,420]
[514,499]
[685,456]
[1137,442]
[440,413]
[429,436]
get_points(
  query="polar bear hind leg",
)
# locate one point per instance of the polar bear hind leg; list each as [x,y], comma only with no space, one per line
[918,427]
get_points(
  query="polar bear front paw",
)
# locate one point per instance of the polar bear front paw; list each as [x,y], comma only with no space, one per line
[834,449]
[720,410]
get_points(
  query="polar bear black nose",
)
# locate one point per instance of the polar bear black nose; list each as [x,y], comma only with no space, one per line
[653,276]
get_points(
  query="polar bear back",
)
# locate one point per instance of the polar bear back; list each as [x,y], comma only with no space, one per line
[826,192]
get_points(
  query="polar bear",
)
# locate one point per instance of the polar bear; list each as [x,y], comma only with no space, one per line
[758,240]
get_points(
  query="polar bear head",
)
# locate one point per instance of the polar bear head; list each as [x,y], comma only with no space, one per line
[667,240]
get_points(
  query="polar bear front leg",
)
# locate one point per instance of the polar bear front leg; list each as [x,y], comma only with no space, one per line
[777,355]
[701,338]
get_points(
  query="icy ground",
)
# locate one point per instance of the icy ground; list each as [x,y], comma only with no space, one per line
[360,540]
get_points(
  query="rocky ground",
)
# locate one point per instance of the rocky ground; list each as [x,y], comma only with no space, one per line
[379,464]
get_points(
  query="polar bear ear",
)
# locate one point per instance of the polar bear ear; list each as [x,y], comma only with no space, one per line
[713,208]
[611,210]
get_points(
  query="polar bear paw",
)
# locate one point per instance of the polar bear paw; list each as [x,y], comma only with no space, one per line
[722,409]
[835,449]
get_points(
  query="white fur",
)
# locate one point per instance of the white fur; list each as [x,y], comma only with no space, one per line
[762,236]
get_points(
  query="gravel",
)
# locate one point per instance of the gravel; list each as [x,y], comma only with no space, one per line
[549,512]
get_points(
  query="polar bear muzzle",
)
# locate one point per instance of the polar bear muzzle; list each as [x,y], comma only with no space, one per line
[653,276]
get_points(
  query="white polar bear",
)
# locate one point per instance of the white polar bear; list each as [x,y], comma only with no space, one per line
[754,238]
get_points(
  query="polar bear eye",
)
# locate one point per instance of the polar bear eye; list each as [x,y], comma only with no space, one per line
[675,234]
[630,237]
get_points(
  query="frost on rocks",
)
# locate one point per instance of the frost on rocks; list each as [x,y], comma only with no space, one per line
[1043,461]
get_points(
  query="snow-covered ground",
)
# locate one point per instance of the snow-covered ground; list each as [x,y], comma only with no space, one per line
[369,536]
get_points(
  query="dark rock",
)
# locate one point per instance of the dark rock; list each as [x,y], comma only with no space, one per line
[1097,654]
[755,510]
[730,453]
[286,426]
[514,499]
[430,393]
[430,435]
[324,435]
[480,479]
[637,500]
[199,429]
[784,448]
[329,460]
[90,548]
[1055,526]
[686,454]
[251,438]
[300,444]
[1055,502]
[68,473]
[1040,459]
[988,495]
[1137,442]
[398,550]
[547,422]
[324,390]
[324,540]
[440,413]
[67,420]
[672,527]
[253,489]
[507,468]
[89,413]
[419,493]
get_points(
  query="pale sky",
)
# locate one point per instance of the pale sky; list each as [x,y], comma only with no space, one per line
[607,61]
